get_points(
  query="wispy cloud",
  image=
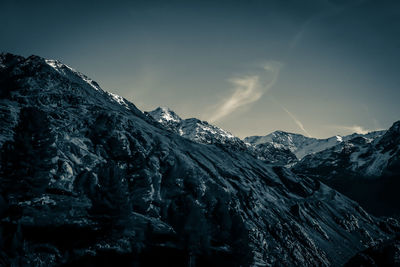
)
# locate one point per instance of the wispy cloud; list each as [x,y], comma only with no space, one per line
[297,121]
[247,89]
[355,129]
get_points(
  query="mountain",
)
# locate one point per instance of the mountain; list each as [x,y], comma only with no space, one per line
[301,145]
[365,169]
[274,154]
[166,117]
[196,130]
[205,133]
[87,179]
[360,156]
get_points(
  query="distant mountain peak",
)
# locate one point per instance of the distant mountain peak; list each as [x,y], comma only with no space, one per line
[302,145]
[165,114]
[196,130]
[339,138]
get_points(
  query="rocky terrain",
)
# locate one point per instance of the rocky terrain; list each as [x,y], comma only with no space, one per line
[362,156]
[87,179]
[364,167]
[205,133]
[196,130]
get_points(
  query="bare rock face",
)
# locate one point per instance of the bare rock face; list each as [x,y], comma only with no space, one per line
[87,179]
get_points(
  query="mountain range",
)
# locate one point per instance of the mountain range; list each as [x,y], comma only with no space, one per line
[87,179]
[364,167]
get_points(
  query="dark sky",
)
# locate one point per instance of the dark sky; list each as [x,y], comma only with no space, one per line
[314,67]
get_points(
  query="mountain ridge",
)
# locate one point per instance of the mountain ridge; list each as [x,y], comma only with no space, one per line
[362,166]
[301,145]
[101,182]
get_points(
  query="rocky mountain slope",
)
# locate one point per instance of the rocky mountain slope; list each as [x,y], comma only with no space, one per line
[196,130]
[365,169]
[360,156]
[205,133]
[87,179]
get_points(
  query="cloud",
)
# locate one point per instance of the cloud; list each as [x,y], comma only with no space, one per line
[355,129]
[247,89]
[301,126]
[297,121]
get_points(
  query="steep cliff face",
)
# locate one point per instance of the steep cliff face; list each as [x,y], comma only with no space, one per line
[88,179]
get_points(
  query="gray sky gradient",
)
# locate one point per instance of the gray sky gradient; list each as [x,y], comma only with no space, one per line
[317,67]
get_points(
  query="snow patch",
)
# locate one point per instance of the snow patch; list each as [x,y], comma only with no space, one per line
[60,68]
[167,116]
[119,99]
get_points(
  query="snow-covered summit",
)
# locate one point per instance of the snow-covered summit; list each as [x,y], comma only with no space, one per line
[301,145]
[68,71]
[54,79]
[164,115]
[358,155]
[194,129]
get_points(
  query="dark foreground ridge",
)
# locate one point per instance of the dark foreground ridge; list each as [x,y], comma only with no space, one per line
[87,179]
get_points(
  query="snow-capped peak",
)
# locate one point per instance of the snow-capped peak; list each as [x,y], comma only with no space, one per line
[301,145]
[164,114]
[66,70]
[195,129]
